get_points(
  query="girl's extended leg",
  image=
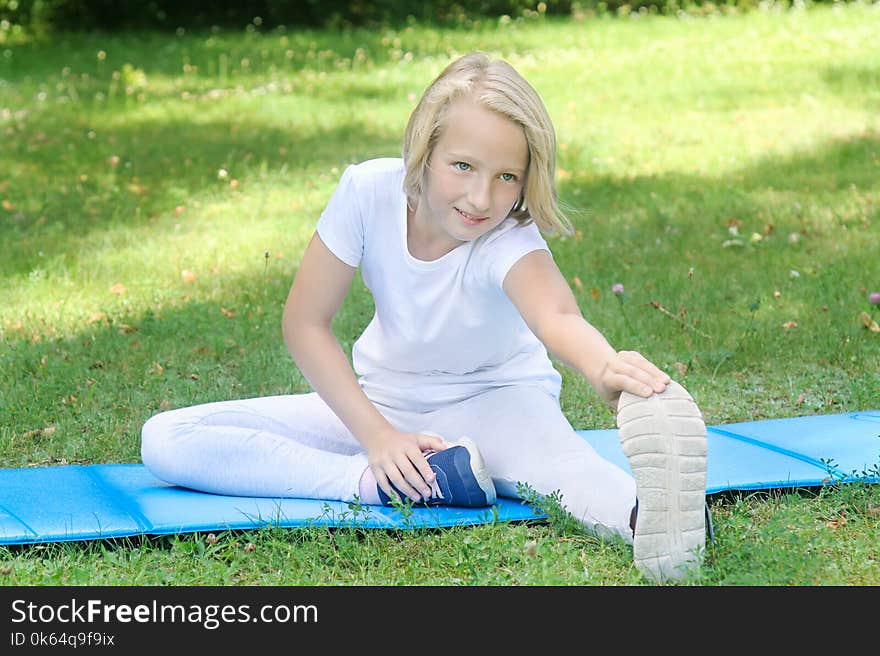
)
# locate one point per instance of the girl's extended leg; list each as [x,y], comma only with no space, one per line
[524,437]
[276,446]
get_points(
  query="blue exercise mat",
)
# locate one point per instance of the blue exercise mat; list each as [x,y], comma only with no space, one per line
[82,502]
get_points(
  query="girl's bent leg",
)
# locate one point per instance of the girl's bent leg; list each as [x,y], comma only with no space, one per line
[525,438]
[278,446]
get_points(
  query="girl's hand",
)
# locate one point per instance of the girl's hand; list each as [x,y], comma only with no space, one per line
[397,458]
[629,371]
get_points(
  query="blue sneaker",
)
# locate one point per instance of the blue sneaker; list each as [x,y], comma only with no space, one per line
[462,479]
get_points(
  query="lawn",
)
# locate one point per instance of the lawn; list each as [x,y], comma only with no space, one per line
[157,192]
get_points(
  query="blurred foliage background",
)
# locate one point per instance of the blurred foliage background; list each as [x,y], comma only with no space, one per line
[42,16]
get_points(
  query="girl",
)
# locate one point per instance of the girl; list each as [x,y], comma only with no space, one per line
[468,301]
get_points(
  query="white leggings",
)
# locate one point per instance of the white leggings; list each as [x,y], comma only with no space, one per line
[295,446]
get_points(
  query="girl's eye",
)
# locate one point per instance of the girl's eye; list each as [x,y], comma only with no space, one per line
[508,177]
[462,166]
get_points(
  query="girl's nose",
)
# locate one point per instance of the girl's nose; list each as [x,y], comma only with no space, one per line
[479,197]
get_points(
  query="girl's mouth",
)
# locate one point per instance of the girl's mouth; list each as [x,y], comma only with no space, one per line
[469,219]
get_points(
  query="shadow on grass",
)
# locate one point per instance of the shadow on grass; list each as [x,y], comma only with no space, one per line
[164,164]
[854,81]
[72,197]
[94,389]
[792,280]
[689,216]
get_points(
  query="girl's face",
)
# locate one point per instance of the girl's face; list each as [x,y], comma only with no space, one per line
[475,176]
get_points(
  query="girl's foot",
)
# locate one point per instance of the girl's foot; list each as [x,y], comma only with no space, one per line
[664,439]
[462,478]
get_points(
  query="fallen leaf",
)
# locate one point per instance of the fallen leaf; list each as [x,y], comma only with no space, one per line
[800,399]
[681,368]
[125,329]
[595,293]
[836,522]
[869,323]
[790,324]
[97,316]
[227,312]
[188,276]
[576,281]
[55,461]
[39,432]
[118,289]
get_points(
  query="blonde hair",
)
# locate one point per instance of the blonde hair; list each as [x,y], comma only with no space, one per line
[497,86]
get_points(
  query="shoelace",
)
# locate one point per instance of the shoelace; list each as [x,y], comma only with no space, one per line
[436,493]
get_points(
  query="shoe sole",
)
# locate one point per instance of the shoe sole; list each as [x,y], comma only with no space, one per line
[484,480]
[664,440]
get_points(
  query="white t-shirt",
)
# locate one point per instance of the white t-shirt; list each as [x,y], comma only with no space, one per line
[443,330]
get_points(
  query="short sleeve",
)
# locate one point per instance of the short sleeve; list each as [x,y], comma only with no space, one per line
[505,248]
[341,225]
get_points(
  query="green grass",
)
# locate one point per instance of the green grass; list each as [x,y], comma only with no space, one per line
[136,276]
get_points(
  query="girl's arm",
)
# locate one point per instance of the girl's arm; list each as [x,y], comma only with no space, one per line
[536,286]
[318,290]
